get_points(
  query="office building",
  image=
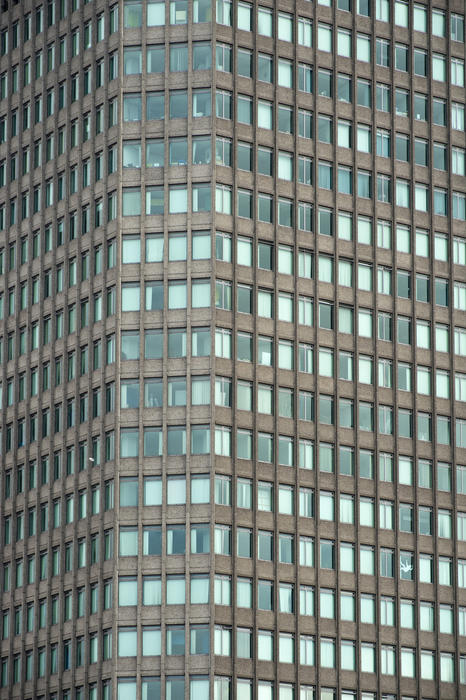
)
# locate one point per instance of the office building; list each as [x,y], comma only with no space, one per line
[233,350]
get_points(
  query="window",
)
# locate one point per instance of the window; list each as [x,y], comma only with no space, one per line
[457,72]
[264,21]
[324,37]
[244,62]
[363,8]
[458,204]
[458,161]
[382,47]
[363,48]
[456,27]
[244,155]
[344,132]
[305,77]
[363,93]
[305,31]
[420,62]
[244,111]
[265,68]
[439,112]
[285,27]
[325,181]
[223,57]
[223,246]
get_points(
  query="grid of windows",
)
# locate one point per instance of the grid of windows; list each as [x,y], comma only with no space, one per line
[233,341]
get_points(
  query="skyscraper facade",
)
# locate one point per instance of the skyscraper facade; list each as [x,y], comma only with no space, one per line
[232,350]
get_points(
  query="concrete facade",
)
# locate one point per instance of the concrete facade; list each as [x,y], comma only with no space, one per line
[233,342]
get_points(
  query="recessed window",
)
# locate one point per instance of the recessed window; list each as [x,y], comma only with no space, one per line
[155,59]
[132,60]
